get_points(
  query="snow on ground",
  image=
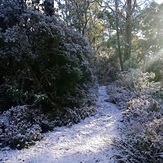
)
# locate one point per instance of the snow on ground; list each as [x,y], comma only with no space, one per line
[90,141]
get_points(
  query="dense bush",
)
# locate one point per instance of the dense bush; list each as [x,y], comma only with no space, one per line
[135,78]
[18,128]
[42,62]
[44,74]
[21,126]
[105,69]
[120,95]
[142,133]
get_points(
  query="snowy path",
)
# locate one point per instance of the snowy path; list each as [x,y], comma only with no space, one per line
[87,142]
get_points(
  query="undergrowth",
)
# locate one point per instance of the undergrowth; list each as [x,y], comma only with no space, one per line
[142,134]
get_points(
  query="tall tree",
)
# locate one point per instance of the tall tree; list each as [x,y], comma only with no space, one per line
[83,17]
[99,20]
[118,35]
[124,17]
[128,30]
[74,13]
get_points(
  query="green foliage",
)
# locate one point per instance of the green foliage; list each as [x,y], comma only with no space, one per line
[156,66]
[41,60]
[147,44]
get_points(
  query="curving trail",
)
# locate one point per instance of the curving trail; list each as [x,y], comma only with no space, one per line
[90,141]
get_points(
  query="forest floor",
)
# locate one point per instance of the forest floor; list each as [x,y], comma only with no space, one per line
[90,141]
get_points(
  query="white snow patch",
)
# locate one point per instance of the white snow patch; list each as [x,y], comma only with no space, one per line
[89,141]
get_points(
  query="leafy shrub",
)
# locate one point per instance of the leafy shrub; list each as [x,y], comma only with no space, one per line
[135,78]
[105,69]
[120,95]
[18,129]
[41,60]
[142,133]
[21,126]
[142,102]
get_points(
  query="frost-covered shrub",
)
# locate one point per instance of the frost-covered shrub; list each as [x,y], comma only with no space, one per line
[142,139]
[18,128]
[142,103]
[105,69]
[120,95]
[21,126]
[135,78]
[9,14]
[41,61]
[141,148]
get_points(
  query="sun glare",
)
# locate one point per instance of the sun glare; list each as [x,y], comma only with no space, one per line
[159,1]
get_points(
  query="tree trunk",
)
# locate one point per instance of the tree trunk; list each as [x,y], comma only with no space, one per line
[118,37]
[128,31]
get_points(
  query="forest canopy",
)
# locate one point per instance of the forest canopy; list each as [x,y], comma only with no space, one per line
[127,34]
